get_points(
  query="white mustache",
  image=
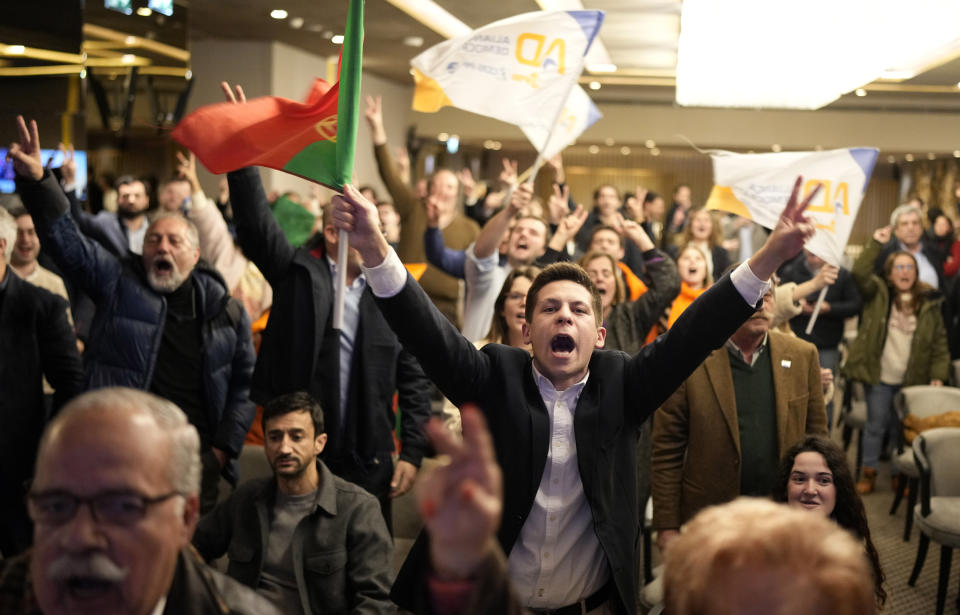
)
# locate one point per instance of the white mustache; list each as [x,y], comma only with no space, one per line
[92,566]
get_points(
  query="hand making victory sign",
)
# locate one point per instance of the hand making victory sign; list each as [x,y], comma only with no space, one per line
[786,240]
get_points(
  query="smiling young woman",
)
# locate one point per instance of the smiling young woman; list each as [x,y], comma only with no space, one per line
[814,475]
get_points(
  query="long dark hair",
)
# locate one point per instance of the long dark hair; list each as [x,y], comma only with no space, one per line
[848,512]
[498,324]
[918,289]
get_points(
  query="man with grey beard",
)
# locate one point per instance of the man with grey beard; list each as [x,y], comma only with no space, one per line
[163,323]
[114,503]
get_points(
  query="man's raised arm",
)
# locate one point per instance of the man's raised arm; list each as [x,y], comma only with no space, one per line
[420,327]
[83,260]
[717,313]
[260,236]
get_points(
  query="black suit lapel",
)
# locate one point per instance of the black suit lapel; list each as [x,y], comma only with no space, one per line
[586,429]
[539,430]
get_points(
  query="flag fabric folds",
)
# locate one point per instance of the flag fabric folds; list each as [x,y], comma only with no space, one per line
[578,114]
[757,186]
[315,139]
[519,70]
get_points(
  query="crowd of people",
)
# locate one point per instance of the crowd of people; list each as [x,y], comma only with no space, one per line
[565,363]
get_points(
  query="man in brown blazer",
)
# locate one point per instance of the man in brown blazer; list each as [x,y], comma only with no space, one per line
[721,434]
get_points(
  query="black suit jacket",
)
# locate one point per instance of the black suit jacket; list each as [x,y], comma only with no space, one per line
[300,350]
[621,392]
[36,339]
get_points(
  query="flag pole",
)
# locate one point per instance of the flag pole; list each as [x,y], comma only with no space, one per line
[343,248]
[348,101]
[816,310]
[556,118]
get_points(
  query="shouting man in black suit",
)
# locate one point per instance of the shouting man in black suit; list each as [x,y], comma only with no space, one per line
[564,422]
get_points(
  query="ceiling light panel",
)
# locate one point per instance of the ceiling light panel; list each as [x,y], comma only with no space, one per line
[635,27]
[772,54]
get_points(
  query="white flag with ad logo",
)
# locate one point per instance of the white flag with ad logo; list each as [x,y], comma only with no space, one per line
[518,70]
[757,187]
[578,114]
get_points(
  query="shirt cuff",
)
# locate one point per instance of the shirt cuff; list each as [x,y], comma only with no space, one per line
[485,264]
[388,278]
[750,287]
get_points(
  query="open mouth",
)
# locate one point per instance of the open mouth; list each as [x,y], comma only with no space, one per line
[562,344]
[693,271]
[163,266]
[85,588]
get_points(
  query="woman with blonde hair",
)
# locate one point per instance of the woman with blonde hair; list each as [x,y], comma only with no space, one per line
[695,279]
[703,231]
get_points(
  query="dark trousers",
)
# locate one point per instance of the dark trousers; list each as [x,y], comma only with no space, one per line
[209,480]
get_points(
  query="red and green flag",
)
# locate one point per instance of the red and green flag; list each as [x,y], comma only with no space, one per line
[315,139]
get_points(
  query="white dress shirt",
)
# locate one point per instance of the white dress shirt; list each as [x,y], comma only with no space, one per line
[557,559]
[348,334]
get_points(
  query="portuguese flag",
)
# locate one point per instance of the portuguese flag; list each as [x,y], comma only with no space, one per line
[315,139]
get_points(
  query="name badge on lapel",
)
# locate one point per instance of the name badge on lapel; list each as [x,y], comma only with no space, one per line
[785,363]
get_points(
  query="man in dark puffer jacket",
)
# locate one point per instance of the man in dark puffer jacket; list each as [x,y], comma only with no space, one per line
[163,324]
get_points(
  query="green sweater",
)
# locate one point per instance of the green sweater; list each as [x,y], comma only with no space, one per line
[757,420]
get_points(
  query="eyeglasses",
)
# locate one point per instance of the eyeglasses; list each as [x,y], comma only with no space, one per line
[111,507]
[904,267]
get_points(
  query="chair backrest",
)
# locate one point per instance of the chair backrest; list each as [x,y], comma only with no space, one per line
[937,452]
[925,400]
[252,463]
[857,391]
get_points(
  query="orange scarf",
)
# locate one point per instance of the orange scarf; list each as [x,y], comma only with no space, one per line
[682,302]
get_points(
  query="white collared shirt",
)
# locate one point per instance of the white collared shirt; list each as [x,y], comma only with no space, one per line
[735,350]
[557,559]
[348,334]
